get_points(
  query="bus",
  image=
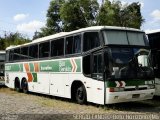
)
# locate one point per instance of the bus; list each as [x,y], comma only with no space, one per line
[154,41]
[2,60]
[99,64]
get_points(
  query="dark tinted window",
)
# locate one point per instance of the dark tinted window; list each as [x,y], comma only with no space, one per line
[24,53]
[69,45]
[73,44]
[90,41]
[16,55]
[97,67]
[57,47]
[97,64]
[33,51]
[11,53]
[44,49]
[86,65]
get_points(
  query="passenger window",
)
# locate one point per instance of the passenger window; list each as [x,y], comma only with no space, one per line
[97,67]
[90,41]
[57,47]
[33,52]
[24,53]
[69,45]
[77,44]
[16,55]
[44,49]
[73,44]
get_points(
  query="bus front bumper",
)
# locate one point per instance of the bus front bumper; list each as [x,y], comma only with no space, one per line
[127,96]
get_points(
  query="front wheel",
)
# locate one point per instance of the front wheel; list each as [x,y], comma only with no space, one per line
[81,96]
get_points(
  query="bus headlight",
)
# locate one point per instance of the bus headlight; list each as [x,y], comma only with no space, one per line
[116,89]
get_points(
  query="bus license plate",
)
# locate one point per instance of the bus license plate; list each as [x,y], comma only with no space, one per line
[135,95]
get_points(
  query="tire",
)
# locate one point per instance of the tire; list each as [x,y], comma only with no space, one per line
[25,86]
[81,96]
[17,89]
[17,85]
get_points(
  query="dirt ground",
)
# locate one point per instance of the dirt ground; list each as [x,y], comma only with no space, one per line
[14,105]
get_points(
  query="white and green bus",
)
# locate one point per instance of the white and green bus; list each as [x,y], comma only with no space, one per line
[100,64]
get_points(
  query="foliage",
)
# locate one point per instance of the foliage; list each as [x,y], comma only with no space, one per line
[12,39]
[79,14]
[114,14]
[68,15]
[54,22]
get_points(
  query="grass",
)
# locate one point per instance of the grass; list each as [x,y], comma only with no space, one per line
[66,104]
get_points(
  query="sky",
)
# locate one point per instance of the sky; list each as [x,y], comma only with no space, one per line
[28,16]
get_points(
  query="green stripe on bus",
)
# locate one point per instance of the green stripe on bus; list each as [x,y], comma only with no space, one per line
[60,66]
[78,62]
[14,67]
[34,77]
[21,67]
[69,65]
[31,66]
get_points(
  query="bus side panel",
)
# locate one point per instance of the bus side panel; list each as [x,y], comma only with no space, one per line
[57,84]
[9,79]
[42,81]
[95,90]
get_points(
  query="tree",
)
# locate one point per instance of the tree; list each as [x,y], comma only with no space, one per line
[132,16]
[114,14]
[68,15]
[78,14]
[12,39]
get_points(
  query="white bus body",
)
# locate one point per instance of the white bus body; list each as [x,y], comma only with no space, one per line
[83,73]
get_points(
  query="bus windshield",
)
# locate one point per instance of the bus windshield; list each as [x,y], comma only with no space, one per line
[130,63]
[125,38]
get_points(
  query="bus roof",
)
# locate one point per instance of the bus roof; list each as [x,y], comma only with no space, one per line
[61,34]
[152,31]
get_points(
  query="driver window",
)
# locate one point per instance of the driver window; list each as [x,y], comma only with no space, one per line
[97,67]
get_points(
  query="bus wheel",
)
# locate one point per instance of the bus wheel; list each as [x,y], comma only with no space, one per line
[17,85]
[81,96]
[24,86]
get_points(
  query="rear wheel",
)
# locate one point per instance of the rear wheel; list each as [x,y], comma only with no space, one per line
[24,86]
[81,96]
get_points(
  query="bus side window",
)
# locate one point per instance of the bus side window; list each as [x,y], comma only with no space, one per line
[86,65]
[11,55]
[57,47]
[33,52]
[77,44]
[16,55]
[44,49]
[73,45]
[90,41]
[69,45]
[24,53]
